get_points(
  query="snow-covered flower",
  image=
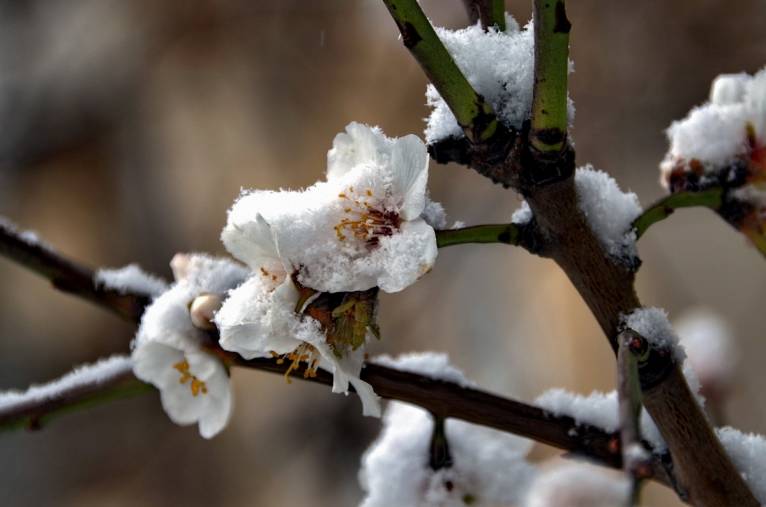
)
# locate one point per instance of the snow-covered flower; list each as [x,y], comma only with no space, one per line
[370,224]
[271,315]
[486,467]
[169,351]
[724,139]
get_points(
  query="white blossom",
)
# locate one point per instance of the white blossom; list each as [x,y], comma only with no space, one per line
[261,318]
[169,351]
[363,227]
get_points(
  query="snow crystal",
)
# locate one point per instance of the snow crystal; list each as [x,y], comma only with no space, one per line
[597,409]
[29,237]
[86,375]
[130,279]
[499,66]
[488,467]
[610,211]
[653,324]
[435,365]
[748,453]
[523,215]
[709,346]
[578,485]
[715,133]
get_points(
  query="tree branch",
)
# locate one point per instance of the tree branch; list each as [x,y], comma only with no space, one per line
[35,412]
[549,104]
[66,275]
[523,235]
[441,398]
[474,115]
[636,460]
[710,198]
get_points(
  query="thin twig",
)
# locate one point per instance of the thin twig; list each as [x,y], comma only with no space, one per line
[474,114]
[549,104]
[66,275]
[36,412]
[663,208]
[636,460]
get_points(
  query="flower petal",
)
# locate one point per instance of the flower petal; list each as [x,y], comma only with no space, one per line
[255,320]
[404,257]
[409,170]
[248,236]
[360,144]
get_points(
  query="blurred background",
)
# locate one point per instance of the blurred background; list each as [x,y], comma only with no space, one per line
[127,128]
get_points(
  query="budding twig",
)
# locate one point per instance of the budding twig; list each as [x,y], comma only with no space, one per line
[636,460]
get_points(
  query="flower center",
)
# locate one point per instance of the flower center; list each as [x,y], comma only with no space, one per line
[196,385]
[306,353]
[365,219]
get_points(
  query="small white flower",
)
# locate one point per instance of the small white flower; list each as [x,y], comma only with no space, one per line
[363,227]
[261,318]
[169,350]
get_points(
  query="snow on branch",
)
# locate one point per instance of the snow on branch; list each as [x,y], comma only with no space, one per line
[108,377]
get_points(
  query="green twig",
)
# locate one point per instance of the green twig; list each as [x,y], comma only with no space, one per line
[509,234]
[662,209]
[474,115]
[549,105]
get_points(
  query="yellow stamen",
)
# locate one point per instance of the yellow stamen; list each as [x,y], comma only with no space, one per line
[196,385]
[305,353]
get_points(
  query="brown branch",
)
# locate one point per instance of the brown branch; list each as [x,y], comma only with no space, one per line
[35,412]
[441,398]
[66,275]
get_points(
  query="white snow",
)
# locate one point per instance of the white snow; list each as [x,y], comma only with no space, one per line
[85,375]
[489,466]
[499,66]
[714,135]
[597,409]
[435,365]
[29,237]
[523,214]
[578,485]
[654,326]
[748,453]
[609,211]
[130,279]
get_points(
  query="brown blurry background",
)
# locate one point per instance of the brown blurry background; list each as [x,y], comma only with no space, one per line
[127,127]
